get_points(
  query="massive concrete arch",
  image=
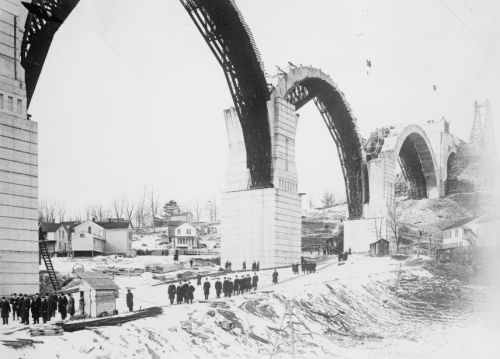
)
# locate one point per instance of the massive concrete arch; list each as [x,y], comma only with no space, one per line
[418,163]
[411,148]
[302,84]
[230,40]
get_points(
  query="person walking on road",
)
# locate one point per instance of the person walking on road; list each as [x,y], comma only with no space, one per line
[206,288]
[130,301]
[275,276]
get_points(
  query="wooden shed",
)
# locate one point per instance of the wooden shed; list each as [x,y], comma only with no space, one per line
[379,248]
[96,296]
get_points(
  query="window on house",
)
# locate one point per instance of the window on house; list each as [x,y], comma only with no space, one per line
[456,232]
[90,230]
[10,103]
[19,106]
[82,235]
[188,231]
[179,231]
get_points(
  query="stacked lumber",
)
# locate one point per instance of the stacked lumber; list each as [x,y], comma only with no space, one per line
[45,330]
[19,343]
[111,320]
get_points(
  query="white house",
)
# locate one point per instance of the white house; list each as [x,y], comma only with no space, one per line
[88,239]
[118,235]
[461,234]
[185,237]
[57,238]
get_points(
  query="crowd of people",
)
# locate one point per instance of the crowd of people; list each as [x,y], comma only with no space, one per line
[40,306]
[306,267]
[184,291]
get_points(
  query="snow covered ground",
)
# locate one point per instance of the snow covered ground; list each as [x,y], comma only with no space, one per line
[368,307]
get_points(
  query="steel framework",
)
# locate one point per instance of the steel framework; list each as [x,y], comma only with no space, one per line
[38,35]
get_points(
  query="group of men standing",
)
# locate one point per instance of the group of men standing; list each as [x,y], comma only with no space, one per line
[41,306]
[307,267]
[184,292]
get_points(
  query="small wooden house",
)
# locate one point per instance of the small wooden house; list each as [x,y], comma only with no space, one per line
[379,248]
[96,296]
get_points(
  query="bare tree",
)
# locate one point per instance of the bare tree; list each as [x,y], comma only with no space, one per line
[155,204]
[129,212]
[141,211]
[61,212]
[118,206]
[98,212]
[328,199]
[46,212]
[393,221]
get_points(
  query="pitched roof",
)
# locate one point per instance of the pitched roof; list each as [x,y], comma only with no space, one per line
[97,280]
[50,227]
[114,224]
[460,223]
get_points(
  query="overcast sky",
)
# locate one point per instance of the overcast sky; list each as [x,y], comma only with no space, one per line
[132,98]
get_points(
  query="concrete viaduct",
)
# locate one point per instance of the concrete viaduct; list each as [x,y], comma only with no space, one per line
[261,206]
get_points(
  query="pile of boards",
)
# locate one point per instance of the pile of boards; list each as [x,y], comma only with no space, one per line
[19,343]
[46,330]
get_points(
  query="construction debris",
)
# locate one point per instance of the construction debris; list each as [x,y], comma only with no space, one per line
[46,330]
[20,343]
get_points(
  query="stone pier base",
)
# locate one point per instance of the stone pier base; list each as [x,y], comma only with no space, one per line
[262,225]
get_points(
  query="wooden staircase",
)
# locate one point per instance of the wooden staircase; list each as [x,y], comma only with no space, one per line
[48,263]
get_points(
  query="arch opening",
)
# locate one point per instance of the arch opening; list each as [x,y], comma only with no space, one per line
[304,84]
[417,178]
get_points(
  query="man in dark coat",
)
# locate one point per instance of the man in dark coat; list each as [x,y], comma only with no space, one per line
[26,310]
[19,302]
[206,288]
[255,280]
[71,306]
[230,287]
[180,295]
[44,309]
[191,293]
[5,310]
[198,279]
[35,309]
[62,303]
[53,305]
[185,292]
[13,305]
[218,287]
[171,293]
[275,277]
[236,286]
[130,300]
[225,286]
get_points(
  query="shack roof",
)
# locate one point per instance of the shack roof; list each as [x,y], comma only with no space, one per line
[96,280]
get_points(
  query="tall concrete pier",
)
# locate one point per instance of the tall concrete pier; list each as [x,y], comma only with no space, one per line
[18,163]
[262,225]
